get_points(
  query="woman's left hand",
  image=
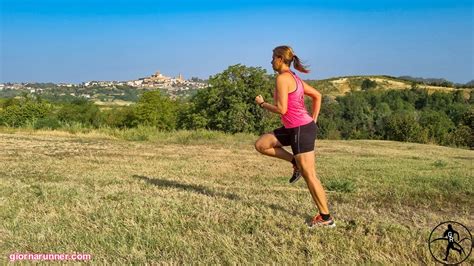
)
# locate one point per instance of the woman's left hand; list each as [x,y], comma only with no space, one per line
[259,99]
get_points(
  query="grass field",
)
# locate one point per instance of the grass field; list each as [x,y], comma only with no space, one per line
[207,197]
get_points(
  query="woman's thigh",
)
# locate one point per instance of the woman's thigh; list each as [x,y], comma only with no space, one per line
[267,141]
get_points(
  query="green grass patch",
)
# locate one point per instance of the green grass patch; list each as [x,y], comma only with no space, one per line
[340,185]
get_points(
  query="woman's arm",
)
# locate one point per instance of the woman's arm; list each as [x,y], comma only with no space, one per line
[281,104]
[317,98]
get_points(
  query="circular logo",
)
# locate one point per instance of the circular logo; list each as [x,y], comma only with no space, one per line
[450,243]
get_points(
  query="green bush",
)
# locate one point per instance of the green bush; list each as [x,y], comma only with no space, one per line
[119,117]
[438,125]
[19,113]
[403,127]
[80,111]
[461,136]
[368,84]
[47,122]
[154,109]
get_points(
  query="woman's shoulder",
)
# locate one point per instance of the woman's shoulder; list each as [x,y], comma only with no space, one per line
[286,76]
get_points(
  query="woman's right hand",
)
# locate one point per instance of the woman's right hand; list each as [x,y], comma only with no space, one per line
[259,99]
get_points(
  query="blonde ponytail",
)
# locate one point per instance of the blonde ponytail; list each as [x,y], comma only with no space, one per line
[299,66]
[286,53]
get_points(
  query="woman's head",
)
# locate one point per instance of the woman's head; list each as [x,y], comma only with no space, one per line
[285,55]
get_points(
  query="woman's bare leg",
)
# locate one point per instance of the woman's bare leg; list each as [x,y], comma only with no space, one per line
[269,145]
[305,162]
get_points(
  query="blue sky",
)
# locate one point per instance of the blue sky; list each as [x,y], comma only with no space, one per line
[82,40]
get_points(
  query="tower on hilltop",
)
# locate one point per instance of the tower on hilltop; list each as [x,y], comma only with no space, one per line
[157,74]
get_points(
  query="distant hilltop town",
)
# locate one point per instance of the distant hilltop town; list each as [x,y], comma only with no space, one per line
[172,86]
[156,80]
[107,91]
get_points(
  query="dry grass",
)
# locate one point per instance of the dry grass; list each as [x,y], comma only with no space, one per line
[189,197]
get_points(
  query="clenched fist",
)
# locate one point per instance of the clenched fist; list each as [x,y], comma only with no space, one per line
[259,99]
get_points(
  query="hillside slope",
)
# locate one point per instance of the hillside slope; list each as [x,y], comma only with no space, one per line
[341,85]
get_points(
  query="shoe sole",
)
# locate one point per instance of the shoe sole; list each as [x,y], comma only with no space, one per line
[294,181]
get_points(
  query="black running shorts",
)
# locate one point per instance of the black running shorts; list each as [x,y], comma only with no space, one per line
[301,139]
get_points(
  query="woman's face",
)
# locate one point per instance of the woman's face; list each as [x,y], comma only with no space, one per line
[276,63]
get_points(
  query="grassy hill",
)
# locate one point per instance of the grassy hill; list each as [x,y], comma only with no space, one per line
[341,85]
[208,197]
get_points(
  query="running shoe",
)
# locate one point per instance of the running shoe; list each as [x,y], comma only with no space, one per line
[318,221]
[296,175]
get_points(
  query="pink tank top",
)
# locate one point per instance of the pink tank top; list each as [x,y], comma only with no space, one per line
[296,114]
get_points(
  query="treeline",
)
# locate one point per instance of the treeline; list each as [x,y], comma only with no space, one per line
[228,105]
[68,94]
[403,115]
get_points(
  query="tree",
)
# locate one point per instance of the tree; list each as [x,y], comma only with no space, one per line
[357,115]
[329,120]
[461,136]
[440,101]
[80,110]
[19,112]
[381,112]
[404,127]
[368,84]
[437,123]
[229,102]
[121,117]
[154,109]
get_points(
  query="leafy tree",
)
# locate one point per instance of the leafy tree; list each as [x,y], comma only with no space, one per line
[329,119]
[356,111]
[18,112]
[80,110]
[456,112]
[461,136]
[49,122]
[440,101]
[437,123]
[368,84]
[154,109]
[422,99]
[381,112]
[228,104]
[404,127]
[121,117]
[10,102]
[458,97]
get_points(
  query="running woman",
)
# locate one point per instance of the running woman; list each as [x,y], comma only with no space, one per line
[298,130]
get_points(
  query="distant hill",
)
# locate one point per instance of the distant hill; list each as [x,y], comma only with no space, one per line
[341,85]
[438,82]
[426,80]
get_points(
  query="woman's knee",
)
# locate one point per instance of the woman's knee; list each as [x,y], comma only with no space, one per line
[263,143]
[306,164]
[259,145]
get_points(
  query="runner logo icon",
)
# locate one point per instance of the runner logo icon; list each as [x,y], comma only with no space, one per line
[450,243]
